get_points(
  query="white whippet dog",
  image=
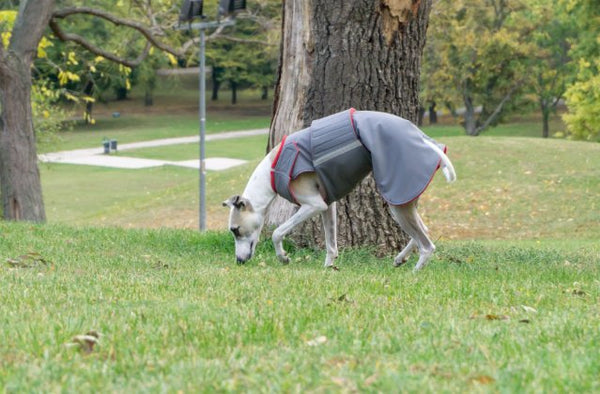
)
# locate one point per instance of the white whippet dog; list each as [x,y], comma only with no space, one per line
[247,213]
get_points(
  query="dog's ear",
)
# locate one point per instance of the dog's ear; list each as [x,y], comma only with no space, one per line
[227,203]
[238,202]
[231,202]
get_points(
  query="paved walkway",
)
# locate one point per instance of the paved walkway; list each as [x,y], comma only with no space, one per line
[96,156]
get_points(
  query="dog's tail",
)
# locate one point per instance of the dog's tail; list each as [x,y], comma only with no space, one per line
[447,167]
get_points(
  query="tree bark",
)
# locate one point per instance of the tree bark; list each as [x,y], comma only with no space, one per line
[20,182]
[234,85]
[342,54]
[545,108]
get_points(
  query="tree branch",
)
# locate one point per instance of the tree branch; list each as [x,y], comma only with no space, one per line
[499,107]
[148,33]
[29,27]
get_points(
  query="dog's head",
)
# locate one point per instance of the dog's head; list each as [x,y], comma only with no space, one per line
[245,225]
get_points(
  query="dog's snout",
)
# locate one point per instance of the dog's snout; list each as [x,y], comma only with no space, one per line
[240,260]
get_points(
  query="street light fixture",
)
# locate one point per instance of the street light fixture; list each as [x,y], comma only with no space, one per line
[229,7]
[191,9]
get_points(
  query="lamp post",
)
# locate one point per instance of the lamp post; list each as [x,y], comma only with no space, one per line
[190,10]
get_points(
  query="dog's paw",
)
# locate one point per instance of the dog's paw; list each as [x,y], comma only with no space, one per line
[399,262]
[283,259]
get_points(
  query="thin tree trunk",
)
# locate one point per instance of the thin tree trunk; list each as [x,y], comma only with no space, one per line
[89,105]
[469,116]
[233,86]
[432,113]
[545,119]
[337,55]
[216,83]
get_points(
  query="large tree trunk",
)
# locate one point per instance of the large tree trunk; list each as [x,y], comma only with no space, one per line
[19,175]
[20,183]
[341,54]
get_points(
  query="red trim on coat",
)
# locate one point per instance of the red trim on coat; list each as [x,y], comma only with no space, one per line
[430,179]
[274,163]
[352,111]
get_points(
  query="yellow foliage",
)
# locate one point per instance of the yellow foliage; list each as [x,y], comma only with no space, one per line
[44,43]
[71,59]
[65,76]
[124,69]
[71,97]
[8,18]
[5,38]
[172,59]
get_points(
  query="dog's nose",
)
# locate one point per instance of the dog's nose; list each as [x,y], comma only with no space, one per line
[240,260]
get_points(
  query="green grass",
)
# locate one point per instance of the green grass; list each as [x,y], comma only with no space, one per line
[507,188]
[509,303]
[517,188]
[177,314]
[247,148]
[135,128]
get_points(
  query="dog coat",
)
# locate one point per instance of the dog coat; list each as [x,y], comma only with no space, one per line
[343,148]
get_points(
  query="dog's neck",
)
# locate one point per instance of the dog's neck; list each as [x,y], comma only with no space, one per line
[258,190]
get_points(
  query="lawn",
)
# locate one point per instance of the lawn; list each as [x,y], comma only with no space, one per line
[507,188]
[509,303]
[176,314]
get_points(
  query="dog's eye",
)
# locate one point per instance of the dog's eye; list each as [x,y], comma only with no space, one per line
[235,231]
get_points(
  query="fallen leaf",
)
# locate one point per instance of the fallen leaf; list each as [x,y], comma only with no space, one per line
[575,292]
[496,317]
[524,321]
[317,341]
[30,260]
[370,380]
[160,265]
[483,379]
[528,309]
[344,383]
[87,341]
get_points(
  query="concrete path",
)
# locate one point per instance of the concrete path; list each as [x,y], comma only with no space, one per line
[96,156]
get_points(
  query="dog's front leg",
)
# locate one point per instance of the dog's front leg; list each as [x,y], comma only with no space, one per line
[329,218]
[306,211]
[402,257]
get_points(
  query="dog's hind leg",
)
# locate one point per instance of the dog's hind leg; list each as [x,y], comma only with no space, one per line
[407,217]
[330,229]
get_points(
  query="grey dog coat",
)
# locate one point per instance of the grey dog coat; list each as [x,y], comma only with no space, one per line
[343,148]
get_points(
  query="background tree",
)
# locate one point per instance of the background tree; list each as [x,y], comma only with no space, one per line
[583,96]
[477,58]
[20,184]
[247,56]
[550,66]
[342,54]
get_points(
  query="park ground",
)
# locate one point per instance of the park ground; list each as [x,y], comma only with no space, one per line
[510,180]
[510,302]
